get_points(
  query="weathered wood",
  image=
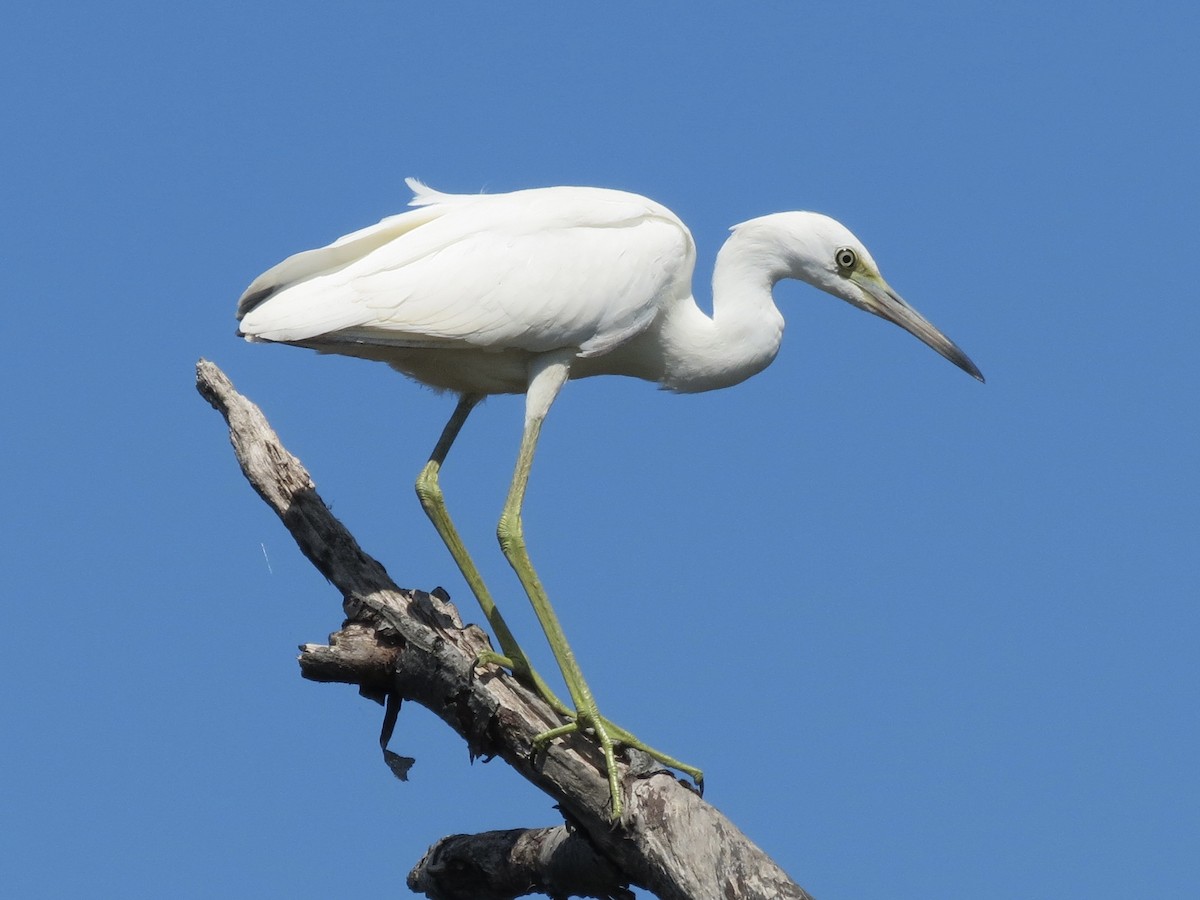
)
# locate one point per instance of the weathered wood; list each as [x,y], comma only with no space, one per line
[413,645]
[500,865]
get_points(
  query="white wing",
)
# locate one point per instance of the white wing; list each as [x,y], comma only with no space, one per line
[531,270]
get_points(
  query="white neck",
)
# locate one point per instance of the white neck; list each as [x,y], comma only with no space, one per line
[743,334]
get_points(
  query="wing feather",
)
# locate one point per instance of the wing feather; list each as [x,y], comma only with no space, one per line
[533,270]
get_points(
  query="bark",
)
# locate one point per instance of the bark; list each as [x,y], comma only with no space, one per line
[497,865]
[412,645]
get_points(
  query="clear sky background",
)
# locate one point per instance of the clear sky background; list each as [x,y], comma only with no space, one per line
[927,638]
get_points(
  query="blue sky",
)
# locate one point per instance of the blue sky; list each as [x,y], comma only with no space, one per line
[927,637]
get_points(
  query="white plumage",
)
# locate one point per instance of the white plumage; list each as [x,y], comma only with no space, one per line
[510,274]
[520,292]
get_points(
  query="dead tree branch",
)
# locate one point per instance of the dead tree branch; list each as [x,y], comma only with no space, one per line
[497,865]
[410,645]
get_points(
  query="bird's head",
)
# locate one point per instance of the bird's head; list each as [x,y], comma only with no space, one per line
[823,252]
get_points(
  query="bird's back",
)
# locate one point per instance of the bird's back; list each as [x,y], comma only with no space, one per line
[506,274]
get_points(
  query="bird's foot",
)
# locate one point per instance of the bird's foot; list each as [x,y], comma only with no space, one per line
[605,732]
[609,737]
[624,739]
[597,726]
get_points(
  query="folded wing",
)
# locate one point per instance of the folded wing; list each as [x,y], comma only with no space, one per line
[532,270]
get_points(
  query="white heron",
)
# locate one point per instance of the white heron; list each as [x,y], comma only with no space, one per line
[519,293]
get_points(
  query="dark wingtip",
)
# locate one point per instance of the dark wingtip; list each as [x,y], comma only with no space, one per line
[249,301]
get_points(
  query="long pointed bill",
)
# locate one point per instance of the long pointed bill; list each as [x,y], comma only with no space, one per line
[886,303]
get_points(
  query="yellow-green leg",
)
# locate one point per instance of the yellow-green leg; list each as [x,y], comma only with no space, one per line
[512,539]
[547,376]
[429,490]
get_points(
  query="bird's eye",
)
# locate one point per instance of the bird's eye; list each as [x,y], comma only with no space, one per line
[846,259]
